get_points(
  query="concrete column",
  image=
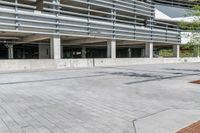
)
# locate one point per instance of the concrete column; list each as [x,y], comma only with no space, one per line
[143,52]
[129,53]
[10,52]
[23,53]
[62,51]
[176,50]
[55,47]
[44,51]
[111,49]
[149,50]
[83,52]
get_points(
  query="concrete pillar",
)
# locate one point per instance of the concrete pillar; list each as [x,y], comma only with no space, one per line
[10,52]
[44,51]
[111,49]
[83,52]
[62,51]
[129,53]
[23,53]
[55,47]
[143,52]
[176,50]
[149,50]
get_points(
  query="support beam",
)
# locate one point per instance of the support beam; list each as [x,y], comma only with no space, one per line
[10,52]
[176,50]
[149,50]
[111,49]
[132,42]
[82,41]
[55,47]
[33,38]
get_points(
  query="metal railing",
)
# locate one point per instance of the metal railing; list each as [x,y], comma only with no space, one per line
[179,3]
[118,19]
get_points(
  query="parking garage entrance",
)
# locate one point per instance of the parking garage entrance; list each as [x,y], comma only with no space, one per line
[20,52]
[73,47]
[3,52]
[84,52]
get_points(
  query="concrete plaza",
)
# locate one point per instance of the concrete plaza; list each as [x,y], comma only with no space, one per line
[133,99]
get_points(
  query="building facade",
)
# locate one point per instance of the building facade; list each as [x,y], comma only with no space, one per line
[41,29]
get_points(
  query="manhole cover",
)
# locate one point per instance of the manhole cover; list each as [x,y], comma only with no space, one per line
[196,82]
[194,128]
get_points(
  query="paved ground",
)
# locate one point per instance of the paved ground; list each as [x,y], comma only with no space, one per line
[141,99]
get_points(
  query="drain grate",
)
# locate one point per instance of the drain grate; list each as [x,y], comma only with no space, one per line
[194,128]
[196,82]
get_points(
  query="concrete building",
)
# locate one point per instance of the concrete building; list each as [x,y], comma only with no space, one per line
[43,29]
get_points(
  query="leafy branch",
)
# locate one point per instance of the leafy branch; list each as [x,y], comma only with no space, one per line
[193,27]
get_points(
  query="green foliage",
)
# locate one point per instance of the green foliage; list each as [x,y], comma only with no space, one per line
[185,51]
[196,10]
[193,47]
[193,27]
[188,51]
[166,53]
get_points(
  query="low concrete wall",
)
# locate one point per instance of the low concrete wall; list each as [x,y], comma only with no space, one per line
[135,61]
[18,65]
[21,65]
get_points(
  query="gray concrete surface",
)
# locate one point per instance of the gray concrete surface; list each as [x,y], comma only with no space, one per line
[133,99]
[35,64]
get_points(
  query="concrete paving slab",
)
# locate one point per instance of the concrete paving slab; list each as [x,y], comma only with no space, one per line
[167,121]
[101,100]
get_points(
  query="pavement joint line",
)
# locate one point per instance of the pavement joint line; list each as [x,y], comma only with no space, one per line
[145,116]
[146,70]
[6,125]
[32,109]
[134,127]
[168,69]
[167,109]
[161,111]
[155,113]
[43,70]
[164,78]
[35,119]
[8,114]
[54,79]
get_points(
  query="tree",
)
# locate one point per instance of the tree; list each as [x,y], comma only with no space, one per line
[193,26]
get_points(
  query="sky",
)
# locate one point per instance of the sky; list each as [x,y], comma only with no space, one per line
[172,12]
